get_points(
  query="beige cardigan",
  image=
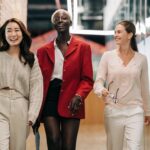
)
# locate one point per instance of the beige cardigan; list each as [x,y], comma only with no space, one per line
[131,80]
[25,80]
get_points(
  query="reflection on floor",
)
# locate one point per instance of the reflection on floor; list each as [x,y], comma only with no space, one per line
[90,137]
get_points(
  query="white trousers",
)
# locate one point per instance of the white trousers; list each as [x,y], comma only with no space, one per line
[125,124]
[13,120]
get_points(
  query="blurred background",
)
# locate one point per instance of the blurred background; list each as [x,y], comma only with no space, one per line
[94,22]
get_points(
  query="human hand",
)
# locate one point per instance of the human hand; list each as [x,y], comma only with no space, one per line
[147,120]
[75,104]
[30,123]
[105,92]
[36,126]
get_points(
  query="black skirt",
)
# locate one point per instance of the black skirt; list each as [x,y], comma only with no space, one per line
[51,102]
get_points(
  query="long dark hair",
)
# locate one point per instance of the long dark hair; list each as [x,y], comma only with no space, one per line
[130,28]
[24,45]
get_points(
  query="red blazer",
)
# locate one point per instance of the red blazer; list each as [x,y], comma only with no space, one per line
[77,74]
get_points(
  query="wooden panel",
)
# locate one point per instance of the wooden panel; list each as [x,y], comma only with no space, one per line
[94,110]
[146,138]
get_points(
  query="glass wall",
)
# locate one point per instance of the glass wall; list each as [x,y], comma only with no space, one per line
[99,17]
[102,15]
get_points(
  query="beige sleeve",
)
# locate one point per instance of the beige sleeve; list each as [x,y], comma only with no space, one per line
[145,87]
[36,91]
[101,76]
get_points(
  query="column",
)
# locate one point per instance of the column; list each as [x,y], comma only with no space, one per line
[13,9]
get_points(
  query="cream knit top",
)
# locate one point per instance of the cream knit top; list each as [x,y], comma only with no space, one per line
[23,79]
[131,80]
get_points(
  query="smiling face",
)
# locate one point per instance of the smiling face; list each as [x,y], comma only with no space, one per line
[121,35]
[13,34]
[61,21]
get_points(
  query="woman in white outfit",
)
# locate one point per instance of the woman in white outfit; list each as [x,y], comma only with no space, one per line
[124,72]
[21,85]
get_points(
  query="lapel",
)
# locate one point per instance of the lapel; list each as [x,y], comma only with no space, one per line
[72,47]
[50,51]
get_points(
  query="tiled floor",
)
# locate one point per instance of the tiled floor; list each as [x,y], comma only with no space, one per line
[90,137]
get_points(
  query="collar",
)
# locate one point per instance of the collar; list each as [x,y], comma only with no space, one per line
[68,42]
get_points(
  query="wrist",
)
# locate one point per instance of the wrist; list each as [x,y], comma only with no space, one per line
[79,96]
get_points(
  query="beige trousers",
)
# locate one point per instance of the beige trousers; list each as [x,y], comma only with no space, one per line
[124,126]
[13,120]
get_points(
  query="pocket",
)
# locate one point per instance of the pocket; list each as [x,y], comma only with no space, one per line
[138,109]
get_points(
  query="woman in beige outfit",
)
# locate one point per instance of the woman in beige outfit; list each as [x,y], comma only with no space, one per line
[124,71]
[21,85]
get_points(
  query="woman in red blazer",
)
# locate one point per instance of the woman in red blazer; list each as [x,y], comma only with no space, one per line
[68,78]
